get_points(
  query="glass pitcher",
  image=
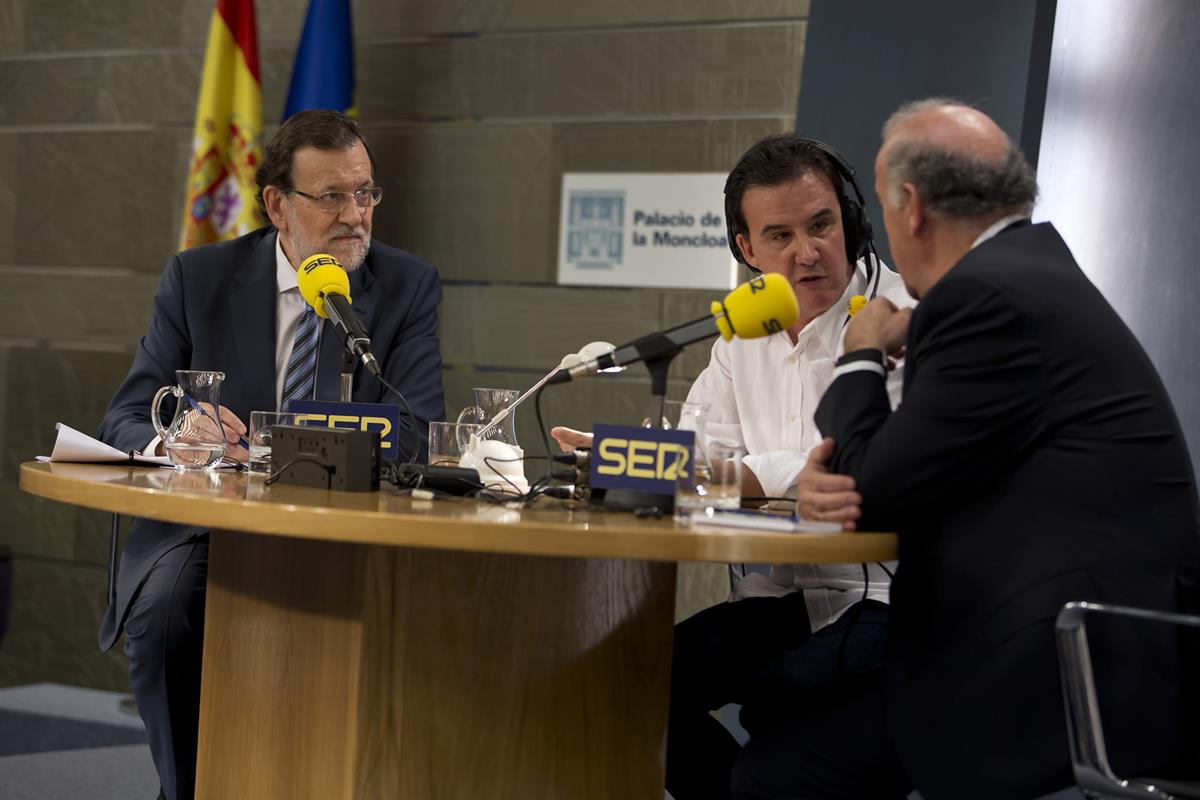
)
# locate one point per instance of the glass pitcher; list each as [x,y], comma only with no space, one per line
[489,404]
[195,438]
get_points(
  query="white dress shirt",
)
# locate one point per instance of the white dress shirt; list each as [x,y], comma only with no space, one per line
[289,307]
[762,395]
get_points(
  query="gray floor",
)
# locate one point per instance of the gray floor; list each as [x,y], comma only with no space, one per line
[61,742]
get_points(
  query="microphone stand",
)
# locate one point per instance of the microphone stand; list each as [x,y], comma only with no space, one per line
[657,351]
[346,389]
[504,412]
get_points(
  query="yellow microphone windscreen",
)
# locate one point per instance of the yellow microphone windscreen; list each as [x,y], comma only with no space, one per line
[757,308]
[856,304]
[319,275]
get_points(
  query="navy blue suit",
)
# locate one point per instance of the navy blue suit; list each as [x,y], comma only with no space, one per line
[1035,459]
[214,309]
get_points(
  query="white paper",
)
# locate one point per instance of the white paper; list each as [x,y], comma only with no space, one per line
[72,445]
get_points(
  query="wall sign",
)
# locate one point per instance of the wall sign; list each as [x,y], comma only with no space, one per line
[664,230]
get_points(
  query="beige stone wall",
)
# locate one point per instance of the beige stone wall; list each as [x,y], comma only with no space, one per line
[475,109]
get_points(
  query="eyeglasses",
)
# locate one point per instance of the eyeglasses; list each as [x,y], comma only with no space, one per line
[334,202]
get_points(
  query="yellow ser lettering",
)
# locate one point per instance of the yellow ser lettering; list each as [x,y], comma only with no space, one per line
[336,420]
[641,459]
[672,459]
[612,450]
[385,427]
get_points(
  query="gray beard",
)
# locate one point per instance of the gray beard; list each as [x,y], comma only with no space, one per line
[306,250]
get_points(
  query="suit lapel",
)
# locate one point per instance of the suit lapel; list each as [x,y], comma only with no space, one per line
[254,320]
[329,362]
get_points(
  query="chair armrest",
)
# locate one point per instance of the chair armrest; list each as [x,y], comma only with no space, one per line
[1089,757]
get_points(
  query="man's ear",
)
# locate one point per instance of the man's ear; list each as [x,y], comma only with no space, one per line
[915,213]
[743,244]
[273,199]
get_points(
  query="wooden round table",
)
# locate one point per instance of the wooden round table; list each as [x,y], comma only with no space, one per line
[372,646]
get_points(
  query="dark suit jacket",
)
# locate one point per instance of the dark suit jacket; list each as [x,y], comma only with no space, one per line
[1035,459]
[215,309]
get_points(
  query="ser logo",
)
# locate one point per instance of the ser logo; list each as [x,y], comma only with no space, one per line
[321,261]
[642,459]
[665,461]
[378,417]
[381,424]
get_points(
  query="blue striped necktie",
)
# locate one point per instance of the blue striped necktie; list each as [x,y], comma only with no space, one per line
[301,376]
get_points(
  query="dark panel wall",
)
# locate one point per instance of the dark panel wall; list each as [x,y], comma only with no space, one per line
[1120,169]
[475,108]
[867,57]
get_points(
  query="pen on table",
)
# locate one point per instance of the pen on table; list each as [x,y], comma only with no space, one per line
[241,439]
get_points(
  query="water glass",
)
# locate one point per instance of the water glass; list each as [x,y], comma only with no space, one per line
[448,440]
[262,424]
[714,481]
[681,415]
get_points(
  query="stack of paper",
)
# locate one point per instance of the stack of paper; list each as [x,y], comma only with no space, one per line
[72,445]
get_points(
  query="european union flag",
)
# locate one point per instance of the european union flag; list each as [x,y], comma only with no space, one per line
[324,73]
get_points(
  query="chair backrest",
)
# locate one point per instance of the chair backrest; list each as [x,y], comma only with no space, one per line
[1089,757]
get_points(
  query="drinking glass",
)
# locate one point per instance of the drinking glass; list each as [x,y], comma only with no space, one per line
[681,415]
[262,425]
[712,481]
[448,440]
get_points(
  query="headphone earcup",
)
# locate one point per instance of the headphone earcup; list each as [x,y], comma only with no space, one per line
[856,229]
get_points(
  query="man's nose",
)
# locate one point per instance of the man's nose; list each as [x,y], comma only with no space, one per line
[805,251]
[352,213]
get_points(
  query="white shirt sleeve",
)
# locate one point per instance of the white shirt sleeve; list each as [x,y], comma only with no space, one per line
[777,470]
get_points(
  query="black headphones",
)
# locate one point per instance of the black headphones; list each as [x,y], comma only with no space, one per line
[856,228]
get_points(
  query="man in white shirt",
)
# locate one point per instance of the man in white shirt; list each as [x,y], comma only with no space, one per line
[791,646]
[809,634]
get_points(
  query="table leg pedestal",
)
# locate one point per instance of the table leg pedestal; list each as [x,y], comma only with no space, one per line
[364,672]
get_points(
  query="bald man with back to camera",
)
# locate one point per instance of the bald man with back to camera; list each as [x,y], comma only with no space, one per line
[1035,459]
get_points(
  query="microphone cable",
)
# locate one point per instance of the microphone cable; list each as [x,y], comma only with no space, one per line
[412,459]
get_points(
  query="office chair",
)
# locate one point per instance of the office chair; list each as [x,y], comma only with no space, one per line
[1089,757]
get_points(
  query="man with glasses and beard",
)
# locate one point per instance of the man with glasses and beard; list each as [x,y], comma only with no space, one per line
[235,307]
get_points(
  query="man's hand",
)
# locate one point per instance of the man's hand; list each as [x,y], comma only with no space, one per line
[569,439]
[879,326]
[824,496]
[232,429]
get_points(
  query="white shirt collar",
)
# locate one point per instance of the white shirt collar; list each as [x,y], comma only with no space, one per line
[285,273]
[996,227]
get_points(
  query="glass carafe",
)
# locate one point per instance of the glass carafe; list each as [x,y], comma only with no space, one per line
[489,404]
[195,438]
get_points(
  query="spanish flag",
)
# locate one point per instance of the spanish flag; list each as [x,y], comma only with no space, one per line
[323,76]
[227,139]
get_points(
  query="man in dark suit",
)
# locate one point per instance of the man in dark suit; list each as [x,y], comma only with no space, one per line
[234,307]
[1035,459]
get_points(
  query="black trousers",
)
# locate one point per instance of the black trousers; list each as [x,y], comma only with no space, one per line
[164,636]
[812,704]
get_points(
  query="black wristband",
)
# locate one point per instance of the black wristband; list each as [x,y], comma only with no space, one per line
[869,354]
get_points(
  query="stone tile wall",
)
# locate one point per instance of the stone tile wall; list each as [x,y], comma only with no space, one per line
[475,109]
